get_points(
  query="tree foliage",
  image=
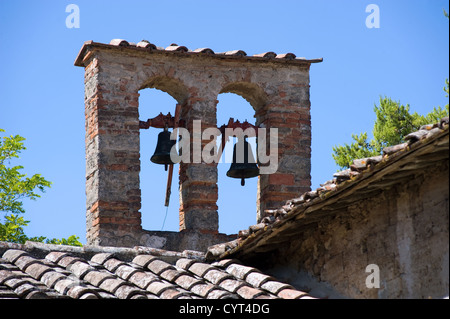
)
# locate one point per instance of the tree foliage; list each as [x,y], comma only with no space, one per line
[15,186]
[393,122]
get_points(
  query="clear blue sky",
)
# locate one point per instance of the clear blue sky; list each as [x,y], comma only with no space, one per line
[42,92]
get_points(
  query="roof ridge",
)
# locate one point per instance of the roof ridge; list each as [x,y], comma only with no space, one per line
[146,45]
[41,250]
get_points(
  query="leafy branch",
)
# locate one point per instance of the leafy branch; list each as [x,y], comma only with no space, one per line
[14,188]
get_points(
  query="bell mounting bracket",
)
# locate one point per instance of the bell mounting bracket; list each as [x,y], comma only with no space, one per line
[236,124]
[161,121]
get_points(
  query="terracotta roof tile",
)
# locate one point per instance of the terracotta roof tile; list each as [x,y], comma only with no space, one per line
[142,279]
[78,291]
[231,285]
[119,42]
[224,263]
[63,285]
[179,49]
[101,258]
[88,295]
[175,47]
[172,294]
[37,270]
[202,289]
[128,292]
[158,266]
[172,274]
[80,268]
[248,292]
[112,264]
[12,255]
[126,271]
[51,278]
[111,284]
[200,269]
[275,287]
[216,276]
[67,272]
[185,263]
[187,281]
[97,277]
[143,260]
[269,55]
[287,56]
[146,44]
[235,53]
[67,261]
[157,287]
[240,271]
[291,294]
[55,256]
[256,279]
[204,50]
[220,294]
[6,293]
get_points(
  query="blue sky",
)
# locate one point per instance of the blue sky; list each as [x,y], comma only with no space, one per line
[42,92]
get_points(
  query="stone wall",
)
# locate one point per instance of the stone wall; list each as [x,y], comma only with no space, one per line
[404,230]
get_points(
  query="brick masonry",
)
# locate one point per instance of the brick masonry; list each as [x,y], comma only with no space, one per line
[277,90]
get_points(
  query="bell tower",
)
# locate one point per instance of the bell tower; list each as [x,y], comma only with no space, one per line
[277,87]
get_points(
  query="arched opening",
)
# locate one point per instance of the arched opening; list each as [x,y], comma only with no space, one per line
[237,204]
[153,177]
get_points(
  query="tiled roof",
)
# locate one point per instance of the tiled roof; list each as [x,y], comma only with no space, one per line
[146,46]
[364,178]
[36,270]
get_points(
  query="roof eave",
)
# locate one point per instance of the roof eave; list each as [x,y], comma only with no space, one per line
[308,212]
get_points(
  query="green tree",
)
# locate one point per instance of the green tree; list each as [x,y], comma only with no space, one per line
[14,188]
[393,122]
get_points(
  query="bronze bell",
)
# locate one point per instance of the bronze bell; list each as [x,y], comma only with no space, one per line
[243,167]
[163,147]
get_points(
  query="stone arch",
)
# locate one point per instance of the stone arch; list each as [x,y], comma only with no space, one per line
[252,92]
[153,212]
[173,87]
[243,212]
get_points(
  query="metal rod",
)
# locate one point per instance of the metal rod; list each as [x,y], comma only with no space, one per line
[169,177]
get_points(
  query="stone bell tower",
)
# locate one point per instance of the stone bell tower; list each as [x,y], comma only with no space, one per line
[277,87]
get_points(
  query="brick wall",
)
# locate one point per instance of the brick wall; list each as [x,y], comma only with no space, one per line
[277,89]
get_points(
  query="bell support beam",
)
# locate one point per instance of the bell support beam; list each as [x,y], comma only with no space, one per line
[232,124]
[161,121]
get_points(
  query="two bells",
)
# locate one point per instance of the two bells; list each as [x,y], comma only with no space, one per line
[243,165]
